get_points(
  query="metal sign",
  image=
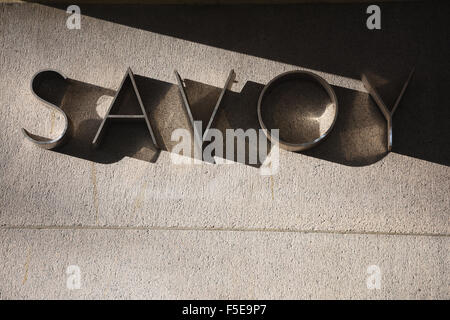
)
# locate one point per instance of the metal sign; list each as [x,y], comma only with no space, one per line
[128,82]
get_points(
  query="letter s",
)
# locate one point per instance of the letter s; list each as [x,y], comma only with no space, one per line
[47,76]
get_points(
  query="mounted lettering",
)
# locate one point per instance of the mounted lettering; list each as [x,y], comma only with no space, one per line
[198,138]
[384,109]
[296,110]
[114,113]
[326,108]
[47,76]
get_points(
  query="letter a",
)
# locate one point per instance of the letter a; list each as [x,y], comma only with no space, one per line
[74,20]
[373,21]
[115,112]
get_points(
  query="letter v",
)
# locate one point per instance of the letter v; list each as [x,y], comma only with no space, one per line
[113,113]
[197,125]
[386,113]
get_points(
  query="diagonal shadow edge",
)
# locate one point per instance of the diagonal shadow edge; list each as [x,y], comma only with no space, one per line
[388,53]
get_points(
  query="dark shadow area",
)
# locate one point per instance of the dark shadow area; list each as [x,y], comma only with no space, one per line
[359,134]
[121,138]
[80,104]
[50,86]
[357,139]
[238,111]
[80,101]
[332,38]
[300,106]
